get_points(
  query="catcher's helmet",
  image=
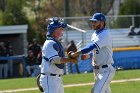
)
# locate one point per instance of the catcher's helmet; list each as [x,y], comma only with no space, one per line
[98,17]
[54,24]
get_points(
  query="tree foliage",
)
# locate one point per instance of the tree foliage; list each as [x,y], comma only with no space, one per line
[129,7]
[13,14]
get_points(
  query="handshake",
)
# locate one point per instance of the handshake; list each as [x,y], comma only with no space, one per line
[75,55]
[72,57]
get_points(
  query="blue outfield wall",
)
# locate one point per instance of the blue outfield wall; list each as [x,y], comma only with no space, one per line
[129,59]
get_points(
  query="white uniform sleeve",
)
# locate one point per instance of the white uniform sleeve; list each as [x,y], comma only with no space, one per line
[49,52]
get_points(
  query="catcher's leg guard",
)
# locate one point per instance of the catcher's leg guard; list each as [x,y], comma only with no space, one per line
[38,83]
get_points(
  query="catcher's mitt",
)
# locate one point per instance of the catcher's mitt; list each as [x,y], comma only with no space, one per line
[38,83]
[69,55]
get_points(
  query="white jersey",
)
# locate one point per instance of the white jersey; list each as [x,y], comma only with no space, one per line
[49,52]
[103,53]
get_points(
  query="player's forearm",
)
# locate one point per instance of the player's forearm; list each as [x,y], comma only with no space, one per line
[88,48]
[61,60]
[56,60]
[65,60]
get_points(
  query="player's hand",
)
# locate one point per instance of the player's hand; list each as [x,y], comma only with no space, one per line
[72,59]
[85,56]
[72,54]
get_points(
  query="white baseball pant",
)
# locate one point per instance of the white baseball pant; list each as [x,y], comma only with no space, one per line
[51,84]
[103,77]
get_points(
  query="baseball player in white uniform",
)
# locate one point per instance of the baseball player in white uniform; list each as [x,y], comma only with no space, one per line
[53,58]
[101,48]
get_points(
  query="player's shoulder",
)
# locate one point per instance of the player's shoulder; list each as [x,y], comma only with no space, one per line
[48,45]
[49,42]
[105,32]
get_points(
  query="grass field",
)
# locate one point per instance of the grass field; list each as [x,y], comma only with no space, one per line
[126,87]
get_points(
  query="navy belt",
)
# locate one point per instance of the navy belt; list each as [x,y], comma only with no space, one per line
[55,75]
[103,66]
[52,74]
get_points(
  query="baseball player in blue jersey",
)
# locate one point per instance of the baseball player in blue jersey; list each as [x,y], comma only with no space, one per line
[101,48]
[53,58]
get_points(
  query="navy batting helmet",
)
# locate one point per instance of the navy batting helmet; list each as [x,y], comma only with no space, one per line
[54,24]
[98,17]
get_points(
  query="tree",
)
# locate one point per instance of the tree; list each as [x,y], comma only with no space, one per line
[13,14]
[2,5]
[88,7]
[129,7]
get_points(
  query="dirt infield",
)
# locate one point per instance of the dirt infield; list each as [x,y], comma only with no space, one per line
[70,85]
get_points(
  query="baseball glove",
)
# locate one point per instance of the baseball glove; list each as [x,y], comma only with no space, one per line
[69,55]
[38,83]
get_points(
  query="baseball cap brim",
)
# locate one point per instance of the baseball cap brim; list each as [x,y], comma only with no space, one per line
[93,19]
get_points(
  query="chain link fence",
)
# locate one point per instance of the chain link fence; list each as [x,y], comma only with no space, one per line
[119,22]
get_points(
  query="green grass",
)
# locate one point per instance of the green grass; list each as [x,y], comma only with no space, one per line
[33,91]
[81,89]
[17,83]
[127,87]
[86,78]
[75,79]
[127,74]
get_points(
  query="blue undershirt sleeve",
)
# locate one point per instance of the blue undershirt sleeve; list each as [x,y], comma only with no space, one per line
[88,48]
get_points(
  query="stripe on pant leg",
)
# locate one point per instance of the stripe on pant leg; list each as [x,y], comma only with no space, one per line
[105,81]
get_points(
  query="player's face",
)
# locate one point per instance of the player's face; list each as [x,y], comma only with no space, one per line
[95,25]
[58,32]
